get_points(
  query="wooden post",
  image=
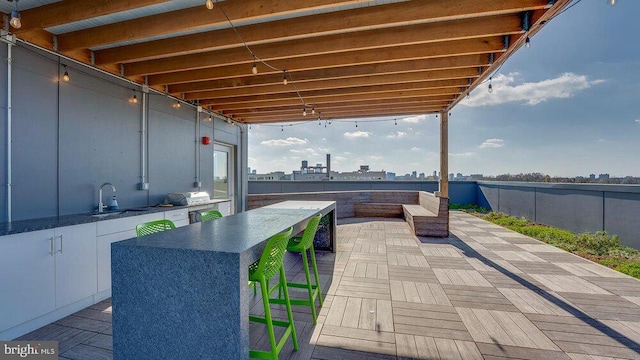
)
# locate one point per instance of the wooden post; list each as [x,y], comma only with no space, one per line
[444,154]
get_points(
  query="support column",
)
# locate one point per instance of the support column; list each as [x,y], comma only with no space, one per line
[444,154]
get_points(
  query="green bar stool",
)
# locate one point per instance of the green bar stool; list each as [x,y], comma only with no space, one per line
[301,245]
[210,215]
[153,227]
[261,271]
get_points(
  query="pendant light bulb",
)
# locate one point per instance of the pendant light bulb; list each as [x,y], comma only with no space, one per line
[65,77]
[490,86]
[254,69]
[209,4]
[284,77]
[176,105]
[281,127]
[304,111]
[356,124]
[395,122]
[313,110]
[468,95]
[527,42]
[15,18]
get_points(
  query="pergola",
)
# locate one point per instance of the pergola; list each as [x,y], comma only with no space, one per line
[340,58]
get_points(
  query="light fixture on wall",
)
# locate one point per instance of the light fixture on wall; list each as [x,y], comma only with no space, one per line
[209,4]
[176,105]
[15,18]
[134,98]
[65,77]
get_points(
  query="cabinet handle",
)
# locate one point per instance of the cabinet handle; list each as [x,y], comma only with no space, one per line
[52,241]
[60,251]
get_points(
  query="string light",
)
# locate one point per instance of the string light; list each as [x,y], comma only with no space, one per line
[65,77]
[284,77]
[313,110]
[356,124]
[134,98]
[304,111]
[176,105]
[490,86]
[395,122]
[527,42]
[468,95]
[254,69]
[15,18]
[281,127]
[209,4]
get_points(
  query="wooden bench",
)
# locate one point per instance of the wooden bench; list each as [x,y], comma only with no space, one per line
[378,210]
[430,217]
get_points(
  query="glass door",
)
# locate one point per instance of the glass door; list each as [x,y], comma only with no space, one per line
[223,178]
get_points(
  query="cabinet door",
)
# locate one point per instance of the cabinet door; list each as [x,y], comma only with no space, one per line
[27,277]
[76,267]
[179,217]
[225,208]
[104,256]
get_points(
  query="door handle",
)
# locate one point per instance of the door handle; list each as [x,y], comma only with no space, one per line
[60,236]
[52,241]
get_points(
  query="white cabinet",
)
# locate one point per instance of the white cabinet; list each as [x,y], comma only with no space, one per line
[110,231]
[179,217]
[27,280]
[75,257]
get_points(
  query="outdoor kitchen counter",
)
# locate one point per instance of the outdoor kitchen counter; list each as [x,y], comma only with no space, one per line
[182,294]
[22,226]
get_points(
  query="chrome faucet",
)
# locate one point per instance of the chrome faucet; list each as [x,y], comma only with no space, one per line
[102,206]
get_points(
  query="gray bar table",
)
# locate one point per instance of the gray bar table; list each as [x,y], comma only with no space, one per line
[183,294]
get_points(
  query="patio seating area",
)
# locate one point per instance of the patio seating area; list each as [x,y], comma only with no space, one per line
[483,292]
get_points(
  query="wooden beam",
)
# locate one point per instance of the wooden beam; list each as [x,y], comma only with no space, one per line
[223,76]
[437,77]
[222,103]
[330,103]
[444,155]
[360,19]
[68,11]
[354,115]
[437,87]
[193,18]
[362,57]
[427,34]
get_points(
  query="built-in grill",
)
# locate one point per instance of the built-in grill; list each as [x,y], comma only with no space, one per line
[187,198]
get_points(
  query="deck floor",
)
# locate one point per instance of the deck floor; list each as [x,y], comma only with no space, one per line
[484,292]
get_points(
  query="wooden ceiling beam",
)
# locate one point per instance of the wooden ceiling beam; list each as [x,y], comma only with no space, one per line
[335,109]
[68,11]
[335,105]
[426,34]
[440,67]
[447,87]
[233,102]
[362,57]
[365,18]
[242,79]
[435,76]
[193,18]
[337,116]
[320,103]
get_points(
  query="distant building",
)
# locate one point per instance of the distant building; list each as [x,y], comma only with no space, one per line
[414,174]
[592,177]
[451,176]
[603,177]
[272,176]
[310,173]
[391,175]
[421,176]
[363,174]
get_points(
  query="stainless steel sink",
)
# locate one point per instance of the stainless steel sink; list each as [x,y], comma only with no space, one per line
[118,212]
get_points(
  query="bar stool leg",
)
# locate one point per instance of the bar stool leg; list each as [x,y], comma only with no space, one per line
[309,285]
[315,272]
[285,290]
[268,318]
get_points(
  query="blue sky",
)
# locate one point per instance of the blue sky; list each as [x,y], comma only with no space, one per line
[569,105]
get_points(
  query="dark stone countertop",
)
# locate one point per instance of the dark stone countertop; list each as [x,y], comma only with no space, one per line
[22,226]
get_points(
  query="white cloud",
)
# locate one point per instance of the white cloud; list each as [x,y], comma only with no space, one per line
[637,121]
[415,148]
[338,158]
[505,90]
[284,142]
[464,154]
[414,119]
[375,157]
[357,134]
[397,135]
[492,143]
[307,151]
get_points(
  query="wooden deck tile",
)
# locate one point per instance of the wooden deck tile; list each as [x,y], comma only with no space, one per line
[568,283]
[528,301]
[460,277]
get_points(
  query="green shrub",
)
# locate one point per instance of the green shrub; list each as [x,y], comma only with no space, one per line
[470,208]
[598,246]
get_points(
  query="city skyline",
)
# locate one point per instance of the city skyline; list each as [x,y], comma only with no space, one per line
[563,107]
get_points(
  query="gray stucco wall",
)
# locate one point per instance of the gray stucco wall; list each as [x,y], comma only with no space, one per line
[70,137]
